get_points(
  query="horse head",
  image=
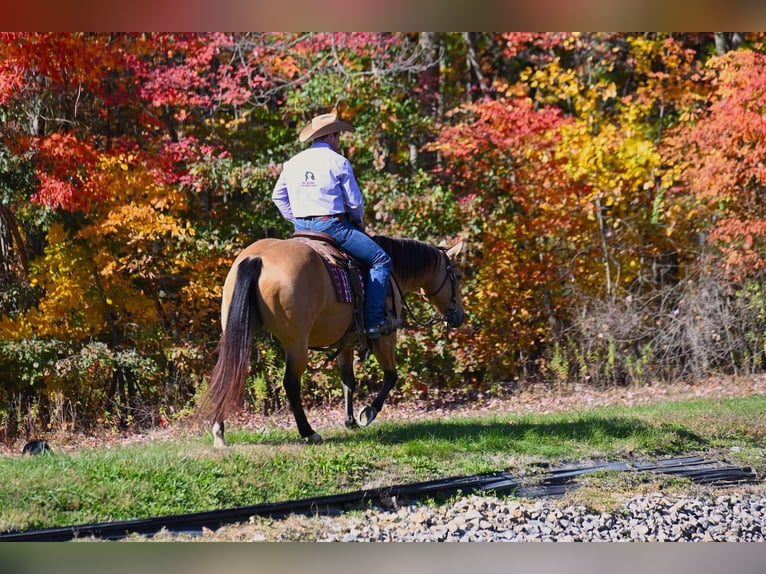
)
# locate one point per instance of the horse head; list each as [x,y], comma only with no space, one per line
[446,296]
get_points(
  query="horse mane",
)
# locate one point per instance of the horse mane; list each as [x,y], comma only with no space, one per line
[410,258]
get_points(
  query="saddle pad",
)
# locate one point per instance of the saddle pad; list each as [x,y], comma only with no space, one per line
[342,283]
[340,275]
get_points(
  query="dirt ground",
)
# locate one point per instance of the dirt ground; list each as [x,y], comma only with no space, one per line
[533,399]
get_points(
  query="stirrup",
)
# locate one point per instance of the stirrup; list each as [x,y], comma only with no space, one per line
[385,327]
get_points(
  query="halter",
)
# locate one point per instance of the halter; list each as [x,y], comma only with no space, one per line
[451,308]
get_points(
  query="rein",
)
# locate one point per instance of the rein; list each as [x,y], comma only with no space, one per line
[449,275]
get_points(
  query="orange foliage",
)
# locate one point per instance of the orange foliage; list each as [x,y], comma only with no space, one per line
[502,162]
[719,160]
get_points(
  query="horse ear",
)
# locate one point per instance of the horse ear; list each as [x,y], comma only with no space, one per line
[454,250]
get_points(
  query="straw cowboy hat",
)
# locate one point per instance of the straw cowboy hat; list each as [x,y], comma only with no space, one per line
[322,125]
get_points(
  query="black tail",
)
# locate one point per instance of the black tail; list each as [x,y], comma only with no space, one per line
[227,381]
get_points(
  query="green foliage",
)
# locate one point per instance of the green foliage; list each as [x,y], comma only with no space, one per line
[16,175]
[25,365]
[262,388]
[417,207]
[73,386]
[28,361]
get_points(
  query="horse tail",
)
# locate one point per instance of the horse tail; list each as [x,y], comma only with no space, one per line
[227,381]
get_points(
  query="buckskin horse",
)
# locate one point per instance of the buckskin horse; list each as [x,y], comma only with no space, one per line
[282,287]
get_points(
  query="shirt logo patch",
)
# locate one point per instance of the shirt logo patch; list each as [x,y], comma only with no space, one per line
[309,178]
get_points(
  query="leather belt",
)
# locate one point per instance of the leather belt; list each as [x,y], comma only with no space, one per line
[336,216]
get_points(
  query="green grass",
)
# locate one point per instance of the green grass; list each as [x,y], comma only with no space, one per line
[188,475]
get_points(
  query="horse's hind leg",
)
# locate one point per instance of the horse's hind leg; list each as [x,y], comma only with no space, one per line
[348,382]
[295,365]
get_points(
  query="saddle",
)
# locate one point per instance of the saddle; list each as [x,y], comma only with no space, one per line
[346,271]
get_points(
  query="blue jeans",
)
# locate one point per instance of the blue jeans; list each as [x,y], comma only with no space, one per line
[361,246]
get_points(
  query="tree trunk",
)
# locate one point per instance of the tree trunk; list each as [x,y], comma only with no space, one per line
[431,104]
[604,246]
[727,41]
[476,84]
[10,237]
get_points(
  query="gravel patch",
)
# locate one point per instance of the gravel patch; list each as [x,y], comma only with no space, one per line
[732,516]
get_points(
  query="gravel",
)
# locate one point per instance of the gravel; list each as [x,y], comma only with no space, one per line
[727,517]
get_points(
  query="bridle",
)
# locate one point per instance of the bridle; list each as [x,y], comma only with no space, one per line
[449,315]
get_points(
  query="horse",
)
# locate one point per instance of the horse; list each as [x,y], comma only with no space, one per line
[282,287]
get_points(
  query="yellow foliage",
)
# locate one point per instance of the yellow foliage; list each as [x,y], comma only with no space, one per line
[553,82]
[69,309]
[615,157]
[101,273]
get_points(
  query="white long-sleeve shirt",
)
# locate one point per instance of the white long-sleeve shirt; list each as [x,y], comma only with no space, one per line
[318,181]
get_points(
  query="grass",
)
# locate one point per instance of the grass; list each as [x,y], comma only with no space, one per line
[188,475]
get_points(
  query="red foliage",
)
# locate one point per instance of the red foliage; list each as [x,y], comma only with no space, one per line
[501,161]
[497,140]
[64,167]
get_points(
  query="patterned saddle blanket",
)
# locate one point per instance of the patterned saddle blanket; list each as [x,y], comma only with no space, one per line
[345,271]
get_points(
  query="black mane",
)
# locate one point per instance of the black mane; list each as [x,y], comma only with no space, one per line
[410,258]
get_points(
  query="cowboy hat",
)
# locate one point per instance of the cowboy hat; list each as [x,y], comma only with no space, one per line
[322,125]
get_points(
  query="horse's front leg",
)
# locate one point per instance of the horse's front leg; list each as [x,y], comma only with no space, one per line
[384,352]
[348,382]
[368,414]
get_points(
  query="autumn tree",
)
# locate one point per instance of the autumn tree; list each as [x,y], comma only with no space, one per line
[718,159]
[582,203]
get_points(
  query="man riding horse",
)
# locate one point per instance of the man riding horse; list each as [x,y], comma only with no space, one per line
[317,191]
[283,287]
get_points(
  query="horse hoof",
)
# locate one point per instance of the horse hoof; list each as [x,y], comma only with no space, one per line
[218,442]
[315,438]
[366,416]
[351,424]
